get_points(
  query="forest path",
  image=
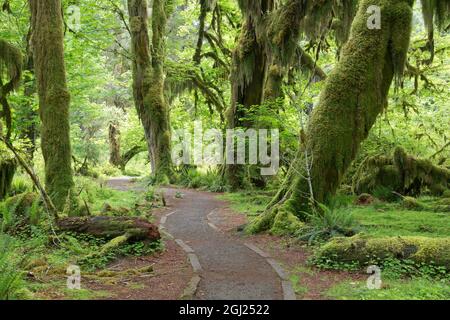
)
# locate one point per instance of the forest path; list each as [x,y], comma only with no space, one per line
[226,267]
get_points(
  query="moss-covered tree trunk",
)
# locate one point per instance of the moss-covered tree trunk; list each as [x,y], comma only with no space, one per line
[54,99]
[354,95]
[248,75]
[148,81]
[115,158]
[30,131]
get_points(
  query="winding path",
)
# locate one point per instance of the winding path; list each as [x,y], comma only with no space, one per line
[226,268]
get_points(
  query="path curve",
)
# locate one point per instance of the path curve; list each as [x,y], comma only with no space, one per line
[227,268]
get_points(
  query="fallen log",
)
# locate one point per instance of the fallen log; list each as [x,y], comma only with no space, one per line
[401,173]
[367,250]
[133,229]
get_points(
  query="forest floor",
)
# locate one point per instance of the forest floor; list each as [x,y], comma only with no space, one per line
[225,263]
[205,254]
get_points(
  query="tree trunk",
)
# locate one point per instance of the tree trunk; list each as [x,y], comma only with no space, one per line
[354,95]
[148,83]
[135,229]
[30,131]
[54,98]
[7,171]
[248,76]
[114,145]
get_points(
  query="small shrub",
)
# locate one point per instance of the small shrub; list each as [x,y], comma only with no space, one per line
[20,185]
[327,223]
[11,282]
[211,180]
[384,193]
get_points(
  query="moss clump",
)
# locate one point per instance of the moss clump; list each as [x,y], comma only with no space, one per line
[286,223]
[401,173]
[412,204]
[363,249]
[19,212]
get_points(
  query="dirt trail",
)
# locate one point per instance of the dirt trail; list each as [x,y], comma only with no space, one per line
[227,268]
[230,270]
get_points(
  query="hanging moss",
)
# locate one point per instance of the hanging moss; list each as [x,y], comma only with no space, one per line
[11,67]
[354,95]
[401,173]
[248,75]
[364,249]
[10,63]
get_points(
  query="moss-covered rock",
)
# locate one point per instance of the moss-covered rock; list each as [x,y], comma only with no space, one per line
[363,249]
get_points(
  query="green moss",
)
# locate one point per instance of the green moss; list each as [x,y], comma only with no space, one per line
[286,223]
[262,222]
[401,173]
[149,83]
[54,98]
[413,289]
[355,94]
[20,212]
[364,249]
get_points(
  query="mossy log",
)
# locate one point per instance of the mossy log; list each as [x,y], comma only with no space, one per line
[134,229]
[401,173]
[364,249]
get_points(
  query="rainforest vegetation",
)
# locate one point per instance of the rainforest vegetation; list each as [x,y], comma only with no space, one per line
[93,93]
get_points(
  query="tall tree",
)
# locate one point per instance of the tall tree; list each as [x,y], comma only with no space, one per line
[248,73]
[354,95]
[11,69]
[54,99]
[148,81]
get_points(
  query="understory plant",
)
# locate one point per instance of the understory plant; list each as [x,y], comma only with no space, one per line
[327,222]
[11,281]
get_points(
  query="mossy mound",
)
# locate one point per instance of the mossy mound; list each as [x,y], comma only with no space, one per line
[401,173]
[363,249]
[20,211]
[278,221]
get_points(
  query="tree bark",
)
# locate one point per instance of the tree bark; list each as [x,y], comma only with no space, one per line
[148,82]
[7,171]
[30,130]
[354,95]
[114,144]
[248,76]
[54,99]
